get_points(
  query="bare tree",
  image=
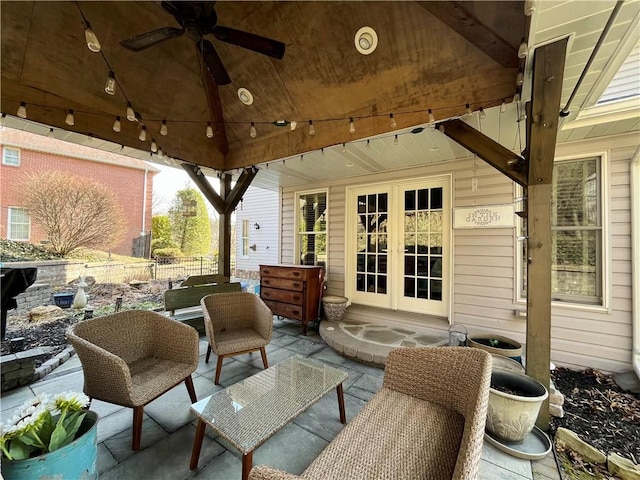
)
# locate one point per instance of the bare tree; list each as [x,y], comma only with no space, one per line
[73,211]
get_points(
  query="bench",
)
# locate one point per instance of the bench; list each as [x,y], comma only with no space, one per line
[193,280]
[183,303]
[426,422]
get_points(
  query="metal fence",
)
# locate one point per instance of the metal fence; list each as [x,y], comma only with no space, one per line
[164,268]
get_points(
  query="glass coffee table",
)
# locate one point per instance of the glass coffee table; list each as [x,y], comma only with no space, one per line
[249,412]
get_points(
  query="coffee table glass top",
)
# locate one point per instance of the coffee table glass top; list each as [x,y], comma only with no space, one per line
[249,412]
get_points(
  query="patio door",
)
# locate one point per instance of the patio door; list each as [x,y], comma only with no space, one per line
[399,250]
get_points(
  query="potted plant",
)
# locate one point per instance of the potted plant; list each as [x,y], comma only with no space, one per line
[495,344]
[44,433]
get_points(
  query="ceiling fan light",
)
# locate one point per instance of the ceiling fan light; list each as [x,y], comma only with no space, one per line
[209,130]
[352,126]
[252,131]
[131,115]
[142,136]
[117,126]
[312,129]
[110,84]
[164,129]
[92,39]
[70,120]
[392,121]
[22,110]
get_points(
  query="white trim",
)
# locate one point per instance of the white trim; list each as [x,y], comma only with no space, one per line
[5,149]
[296,234]
[609,112]
[9,210]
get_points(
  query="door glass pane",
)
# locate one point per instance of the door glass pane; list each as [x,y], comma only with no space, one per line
[410,200]
[371,268]
[382,284]
[409,265]
[436,290]
[382,202]
[360,282]
[409,287]
[436,198]
[422,288]
[423,199]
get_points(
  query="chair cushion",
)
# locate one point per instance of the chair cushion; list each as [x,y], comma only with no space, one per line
[151,377]
[395,436]
[232,341]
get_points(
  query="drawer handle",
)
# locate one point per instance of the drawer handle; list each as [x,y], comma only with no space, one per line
[297,274]
[296,297]
[266,294]
[266,282]
[296,285]
[266,271]
[296,312]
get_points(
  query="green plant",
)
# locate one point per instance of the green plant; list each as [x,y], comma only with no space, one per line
[43,424]
[494,342]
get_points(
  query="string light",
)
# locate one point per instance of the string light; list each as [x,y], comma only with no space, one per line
[160,153]
[22,110]
[392,121]
[482,114]
[523,49]
[110,84]
[395,140]
[2,119]
[91,38]
[520,78]
[293,125]
[252,131]
[503,107]
[131,115]
[70,120]
[154,145]
[529,7]
[50,133]
[432,119]
[344,148]
[368,145]
[322,152]
[352,126]
[209,130]
[312,129]
[164,129]
[117,126]
[142,136]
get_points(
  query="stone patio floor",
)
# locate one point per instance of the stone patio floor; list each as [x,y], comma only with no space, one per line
[169,427]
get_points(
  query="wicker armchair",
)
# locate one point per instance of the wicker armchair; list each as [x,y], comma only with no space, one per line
[131,358]
[236,323]
[427,421]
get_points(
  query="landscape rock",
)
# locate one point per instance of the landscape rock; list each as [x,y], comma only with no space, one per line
[570,440]
[622,467]
[46,313]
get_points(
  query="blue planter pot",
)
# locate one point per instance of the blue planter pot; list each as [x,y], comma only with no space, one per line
[75,461]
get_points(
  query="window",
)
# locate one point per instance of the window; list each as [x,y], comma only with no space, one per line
[11,156]
[245,238]
[19,224]
[576,233]
[312,228]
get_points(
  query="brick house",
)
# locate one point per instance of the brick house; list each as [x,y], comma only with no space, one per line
[26,153]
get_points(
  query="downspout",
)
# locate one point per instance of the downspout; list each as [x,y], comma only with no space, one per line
[144,203]
[634,172]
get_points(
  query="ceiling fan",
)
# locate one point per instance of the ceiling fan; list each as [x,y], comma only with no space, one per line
[196,20]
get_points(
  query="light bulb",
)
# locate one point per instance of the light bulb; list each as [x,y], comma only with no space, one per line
[22,110]
[520,78]
[482,113]
[252,131]
[516,97]
[368,145]
[131,115]
[432,119]
[468,110]
[392,121]
[209,131]
[395,140]
[344,148]
[529,7]
[322,152]
[117,126]
[352,126]
[50,133]
[312,129]
[2,119]
[503,107]
[70,120]
[523,49]
[293,125]
[154,145]
[160,153]
[142,136]
[110,84]
[163,128]
[91,38]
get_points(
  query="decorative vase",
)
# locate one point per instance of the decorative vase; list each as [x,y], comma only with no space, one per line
[514,403]
[75,461]
[80,300]
[495,344]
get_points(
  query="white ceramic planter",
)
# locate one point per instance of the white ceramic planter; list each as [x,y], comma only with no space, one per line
[511,417]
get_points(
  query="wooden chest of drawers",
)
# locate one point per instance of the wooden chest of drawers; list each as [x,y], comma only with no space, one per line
[292,291]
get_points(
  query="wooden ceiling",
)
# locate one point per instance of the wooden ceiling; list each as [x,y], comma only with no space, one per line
[430,55]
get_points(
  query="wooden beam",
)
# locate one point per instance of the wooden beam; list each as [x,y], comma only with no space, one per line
[224,237]
[246,177]
[456,17]
[205,187]
[548,72]
[215,111]
[501,158]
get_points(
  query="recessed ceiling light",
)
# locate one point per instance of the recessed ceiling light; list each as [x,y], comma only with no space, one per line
[366,40]
[245,96]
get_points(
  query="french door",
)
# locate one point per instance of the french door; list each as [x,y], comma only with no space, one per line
[398,245]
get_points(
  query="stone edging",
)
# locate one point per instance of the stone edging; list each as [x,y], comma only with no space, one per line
[51,364]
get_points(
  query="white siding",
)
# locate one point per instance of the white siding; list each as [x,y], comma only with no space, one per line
[258,206]
[484,264]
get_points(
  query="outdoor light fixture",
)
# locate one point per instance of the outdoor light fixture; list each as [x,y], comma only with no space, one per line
[70,120]
[209,131]
[131,115]
[252,131]
[366,40]
[110,84]
[312,129]
[22,110]
[163,128]
[245,96]
[256,226]
[117,126]
[91,38]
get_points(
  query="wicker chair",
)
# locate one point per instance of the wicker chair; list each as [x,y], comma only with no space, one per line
[131,358]
[427,421]
[236,323]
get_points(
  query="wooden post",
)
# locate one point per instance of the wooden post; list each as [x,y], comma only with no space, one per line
[542,129]
[224,244]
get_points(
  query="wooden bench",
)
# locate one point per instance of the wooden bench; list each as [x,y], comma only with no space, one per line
[193,280]
[183,303]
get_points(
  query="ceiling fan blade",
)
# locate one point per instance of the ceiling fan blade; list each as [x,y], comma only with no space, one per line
[145,40]
[213,63]
[250,41]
